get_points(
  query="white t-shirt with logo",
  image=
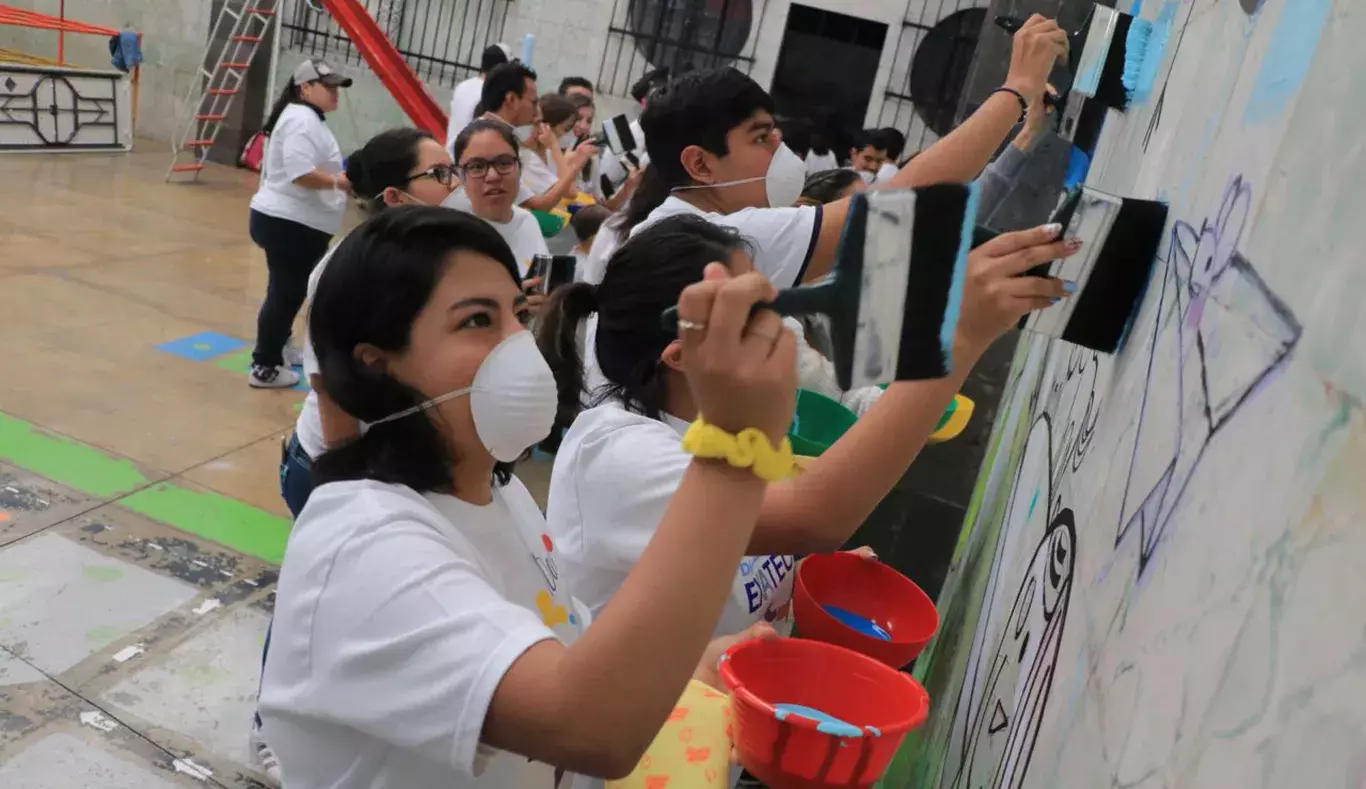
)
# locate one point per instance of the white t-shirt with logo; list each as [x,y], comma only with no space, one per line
[396,617]
[300,144]
[614,476]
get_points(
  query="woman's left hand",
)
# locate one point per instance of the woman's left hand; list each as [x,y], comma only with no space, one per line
[707,668]
[546,136]
[534,297]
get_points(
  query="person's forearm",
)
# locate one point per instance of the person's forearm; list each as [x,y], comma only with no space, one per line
[547,201]
[609,693]
[957,158]
[819,510]
[998,181]
[317,179]
[960,156]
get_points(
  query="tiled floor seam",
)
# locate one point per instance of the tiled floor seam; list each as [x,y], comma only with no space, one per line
[110,714]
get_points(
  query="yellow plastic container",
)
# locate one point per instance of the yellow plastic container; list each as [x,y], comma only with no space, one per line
[692,751]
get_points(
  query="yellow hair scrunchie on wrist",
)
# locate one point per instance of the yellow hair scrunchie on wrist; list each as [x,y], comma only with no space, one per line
[750,449]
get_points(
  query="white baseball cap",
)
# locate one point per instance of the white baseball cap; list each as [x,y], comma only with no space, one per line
[318,70]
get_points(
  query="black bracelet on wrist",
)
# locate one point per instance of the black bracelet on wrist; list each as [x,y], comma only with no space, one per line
[1024,105]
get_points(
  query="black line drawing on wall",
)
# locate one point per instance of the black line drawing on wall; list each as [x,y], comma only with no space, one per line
[1006,691]
[1220,335]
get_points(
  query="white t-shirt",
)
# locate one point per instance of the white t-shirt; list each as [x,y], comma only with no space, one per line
[396,617]
[309,427]
[538,175]
[463,101]
[523,234]
[600,251]
[614,477]
[783,239]
[820,162]
[300,144]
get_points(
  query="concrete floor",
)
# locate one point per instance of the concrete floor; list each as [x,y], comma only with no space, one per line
[140,516]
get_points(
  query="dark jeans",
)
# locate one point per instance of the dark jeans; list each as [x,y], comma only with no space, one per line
[295,481]
[295,487]
[292,250]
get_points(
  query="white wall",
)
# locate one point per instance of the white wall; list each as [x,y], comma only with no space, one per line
[174,36]
[1160,582]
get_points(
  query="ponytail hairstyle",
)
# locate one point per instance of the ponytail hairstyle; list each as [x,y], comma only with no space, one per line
[377,282]
[290,95]
[383,162]
[645,276]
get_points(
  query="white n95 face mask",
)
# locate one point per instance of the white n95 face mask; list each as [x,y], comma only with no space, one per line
[782,183]
[867,177]
[512,398]
[567,141]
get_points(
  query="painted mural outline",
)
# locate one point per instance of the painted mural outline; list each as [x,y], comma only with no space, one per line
[1004,715]
[1212,300]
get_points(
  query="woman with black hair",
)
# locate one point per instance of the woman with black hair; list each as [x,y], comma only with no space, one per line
[394,168]
[551,164]
[488,159]
[619,463]
[423,637]
[296,210]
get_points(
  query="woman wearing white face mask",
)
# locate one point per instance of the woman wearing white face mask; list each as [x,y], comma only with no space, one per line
[423,637]
[486,156]
[396,167]
[551,165]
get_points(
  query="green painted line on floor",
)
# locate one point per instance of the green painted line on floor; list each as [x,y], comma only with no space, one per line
[242,527]
[239,362]
[96,473]
[66,461]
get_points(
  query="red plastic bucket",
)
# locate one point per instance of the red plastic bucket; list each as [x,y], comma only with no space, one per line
[793,752]
[870,590]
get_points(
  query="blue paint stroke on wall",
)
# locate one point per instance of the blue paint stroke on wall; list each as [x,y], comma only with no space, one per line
[1287,59]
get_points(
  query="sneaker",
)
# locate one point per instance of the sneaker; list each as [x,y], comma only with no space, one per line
[263,377]
[294,357]
[263,757]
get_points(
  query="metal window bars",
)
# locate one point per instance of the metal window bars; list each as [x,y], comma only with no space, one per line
[441,40]
[679,35]
[923,89]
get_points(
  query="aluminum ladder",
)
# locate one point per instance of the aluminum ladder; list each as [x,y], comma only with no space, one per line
[236,36]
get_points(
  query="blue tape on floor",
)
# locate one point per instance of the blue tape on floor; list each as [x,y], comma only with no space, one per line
[203,346]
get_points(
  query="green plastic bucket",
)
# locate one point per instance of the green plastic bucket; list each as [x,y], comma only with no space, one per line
[551,225]
[818,423]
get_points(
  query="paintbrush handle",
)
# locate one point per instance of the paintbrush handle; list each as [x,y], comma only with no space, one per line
[792,301]
[1010,24]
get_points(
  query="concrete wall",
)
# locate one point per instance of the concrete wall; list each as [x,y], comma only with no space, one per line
[1161,580]
[573,38]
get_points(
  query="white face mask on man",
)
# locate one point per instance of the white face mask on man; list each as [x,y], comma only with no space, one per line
[512,398]
[782,183]
[867,177]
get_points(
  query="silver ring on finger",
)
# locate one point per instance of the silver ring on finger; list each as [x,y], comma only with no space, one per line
[686,325]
